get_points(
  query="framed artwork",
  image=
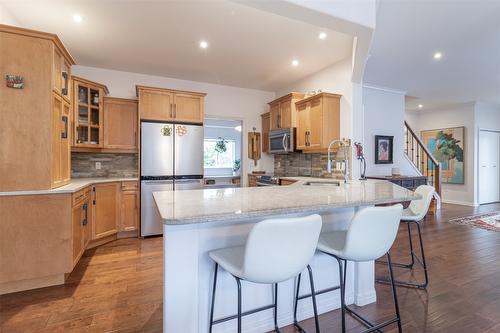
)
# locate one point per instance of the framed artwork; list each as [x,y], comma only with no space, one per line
[383,149]
[447,146]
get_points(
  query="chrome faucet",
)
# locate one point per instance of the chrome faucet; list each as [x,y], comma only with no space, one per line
[345,161]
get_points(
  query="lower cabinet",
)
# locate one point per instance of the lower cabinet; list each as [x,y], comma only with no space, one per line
[106,209]
[129,213]
[81,222]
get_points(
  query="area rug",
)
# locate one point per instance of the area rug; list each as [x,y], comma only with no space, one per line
[490,221]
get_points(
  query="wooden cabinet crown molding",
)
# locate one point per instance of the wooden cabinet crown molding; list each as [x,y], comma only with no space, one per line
[92,83]
[39,34]
[293,95]
[310,98]
[139,88]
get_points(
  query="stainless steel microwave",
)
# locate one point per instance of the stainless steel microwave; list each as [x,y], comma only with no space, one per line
[282,141]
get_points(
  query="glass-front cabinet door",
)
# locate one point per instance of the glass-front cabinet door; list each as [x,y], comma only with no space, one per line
[88,107]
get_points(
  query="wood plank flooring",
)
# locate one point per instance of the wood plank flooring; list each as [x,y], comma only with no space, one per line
[118,287]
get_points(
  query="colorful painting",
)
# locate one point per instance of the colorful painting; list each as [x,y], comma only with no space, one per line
[447,146]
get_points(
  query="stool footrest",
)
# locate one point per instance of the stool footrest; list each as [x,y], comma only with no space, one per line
[402,283]
[327,290]
[246,313]
[371,326]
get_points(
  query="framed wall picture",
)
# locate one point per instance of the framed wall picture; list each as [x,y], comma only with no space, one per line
[447,146]
[383,149]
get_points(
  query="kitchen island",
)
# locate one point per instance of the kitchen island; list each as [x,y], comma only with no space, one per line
[197,221]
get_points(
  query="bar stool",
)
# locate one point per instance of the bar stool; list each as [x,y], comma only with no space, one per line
[276,250]
[370,235]
[415,213]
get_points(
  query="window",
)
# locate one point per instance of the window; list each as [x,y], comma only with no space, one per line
[213,159]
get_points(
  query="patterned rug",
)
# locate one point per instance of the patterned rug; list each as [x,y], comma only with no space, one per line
[490,221]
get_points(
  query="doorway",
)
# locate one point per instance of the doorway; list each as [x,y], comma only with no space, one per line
[488,165]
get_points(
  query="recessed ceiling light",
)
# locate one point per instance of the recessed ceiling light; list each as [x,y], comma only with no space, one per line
[438,55]
[77,18]
[322,35]
[420,106]
[295,62]
[203,44]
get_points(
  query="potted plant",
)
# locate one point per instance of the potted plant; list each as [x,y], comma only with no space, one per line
[236,166]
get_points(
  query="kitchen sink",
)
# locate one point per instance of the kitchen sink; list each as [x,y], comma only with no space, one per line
[320,183]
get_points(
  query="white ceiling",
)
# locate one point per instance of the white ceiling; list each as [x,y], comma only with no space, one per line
[467,32]
[247,47]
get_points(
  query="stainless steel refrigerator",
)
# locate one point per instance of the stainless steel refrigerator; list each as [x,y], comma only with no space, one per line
[171,160]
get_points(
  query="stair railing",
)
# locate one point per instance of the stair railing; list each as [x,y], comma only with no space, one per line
[422,158]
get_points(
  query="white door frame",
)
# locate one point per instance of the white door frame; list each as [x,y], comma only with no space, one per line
[477,159]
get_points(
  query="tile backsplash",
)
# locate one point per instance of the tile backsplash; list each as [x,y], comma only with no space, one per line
[83,165]
[306,165]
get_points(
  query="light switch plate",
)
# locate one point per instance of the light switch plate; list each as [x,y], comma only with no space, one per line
[98,165]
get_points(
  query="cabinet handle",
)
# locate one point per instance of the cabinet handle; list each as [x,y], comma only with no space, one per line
[64,134]
[175,110]
[85,208]
[171,110]
[64,90]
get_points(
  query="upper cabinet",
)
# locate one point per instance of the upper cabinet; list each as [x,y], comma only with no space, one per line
[170,105]
[34,112]
[88,113]
[282,111]
[120,123]
[318,122]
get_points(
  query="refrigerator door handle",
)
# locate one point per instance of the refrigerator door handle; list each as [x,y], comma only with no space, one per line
[157,181]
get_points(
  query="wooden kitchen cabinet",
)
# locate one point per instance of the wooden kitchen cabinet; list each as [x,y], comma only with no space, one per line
[266,126]
[318,122]
[88,113]
[282,111]
[33,119]
[106,209]
[81,223]
[120,123]
[129,220]
[170,105]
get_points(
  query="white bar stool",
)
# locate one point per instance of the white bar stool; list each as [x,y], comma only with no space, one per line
[370,235]
[415,213]
[276,250]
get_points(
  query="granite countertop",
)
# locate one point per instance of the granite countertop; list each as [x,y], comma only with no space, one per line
[236,204]
[74,186]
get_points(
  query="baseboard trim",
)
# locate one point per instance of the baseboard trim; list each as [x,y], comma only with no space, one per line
[461,203]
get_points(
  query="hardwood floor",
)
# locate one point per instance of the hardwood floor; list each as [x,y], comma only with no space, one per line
[118,287]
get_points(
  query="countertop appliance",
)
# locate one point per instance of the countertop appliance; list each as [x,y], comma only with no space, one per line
[171,160]
[267,180]
[282,141]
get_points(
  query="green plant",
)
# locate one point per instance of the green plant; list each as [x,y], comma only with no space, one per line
[220,145]
[237,165]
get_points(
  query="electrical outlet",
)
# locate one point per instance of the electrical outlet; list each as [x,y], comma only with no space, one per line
[98,165]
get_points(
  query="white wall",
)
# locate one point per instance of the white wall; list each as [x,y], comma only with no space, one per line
[221,101]
[454,116]
[384,112]
[6,17]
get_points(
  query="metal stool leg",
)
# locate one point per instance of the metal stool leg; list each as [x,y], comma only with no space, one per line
[394,294]
[342,292]
[412,253]
[313,294]
[239,303]
[422,263]
[276,327]
[213,299]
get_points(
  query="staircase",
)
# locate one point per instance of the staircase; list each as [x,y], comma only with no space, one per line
[423,161]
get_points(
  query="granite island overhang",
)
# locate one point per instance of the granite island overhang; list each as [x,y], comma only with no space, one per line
[198,221]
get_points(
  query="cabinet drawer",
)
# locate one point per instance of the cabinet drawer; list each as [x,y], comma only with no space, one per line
[130,186]
[79,196]
[419,182]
